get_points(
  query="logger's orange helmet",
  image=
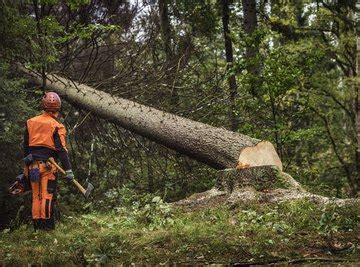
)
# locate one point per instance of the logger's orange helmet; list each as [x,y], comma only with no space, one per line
[51,102]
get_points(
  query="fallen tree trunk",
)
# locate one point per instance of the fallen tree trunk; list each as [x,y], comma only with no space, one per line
[216,147]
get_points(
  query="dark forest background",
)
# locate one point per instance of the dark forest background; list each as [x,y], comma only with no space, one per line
[284,71]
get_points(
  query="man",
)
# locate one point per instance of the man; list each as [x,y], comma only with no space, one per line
[45,137]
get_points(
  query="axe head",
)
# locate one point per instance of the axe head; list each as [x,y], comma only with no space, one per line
[88,190]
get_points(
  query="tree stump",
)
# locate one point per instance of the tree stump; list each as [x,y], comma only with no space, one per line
[260,178]
[255,185]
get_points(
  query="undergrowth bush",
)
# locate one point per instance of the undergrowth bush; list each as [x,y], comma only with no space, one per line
[150,231]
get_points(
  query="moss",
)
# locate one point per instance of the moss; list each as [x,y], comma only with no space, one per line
[248,233]
[260,178]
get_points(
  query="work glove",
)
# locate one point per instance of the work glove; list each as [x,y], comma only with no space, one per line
[69,175]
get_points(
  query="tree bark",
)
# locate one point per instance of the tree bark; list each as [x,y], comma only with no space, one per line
[166,36]
[229,60]
[259,178]
[249,26]
[216,147]
[165,29]
[357,113]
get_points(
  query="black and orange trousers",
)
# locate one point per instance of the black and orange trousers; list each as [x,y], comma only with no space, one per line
[43,195]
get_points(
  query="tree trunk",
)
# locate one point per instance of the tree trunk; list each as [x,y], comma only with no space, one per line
[229,60]
[166,36]
[357,113]
[259,178]
[165,29]
[249,26]
[216,147]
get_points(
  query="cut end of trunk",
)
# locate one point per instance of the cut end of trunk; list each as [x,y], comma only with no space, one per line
[263,154]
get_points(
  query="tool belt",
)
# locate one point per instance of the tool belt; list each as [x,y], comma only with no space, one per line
[31,174]
[32,168]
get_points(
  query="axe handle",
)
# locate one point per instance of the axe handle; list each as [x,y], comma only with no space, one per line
[77,184]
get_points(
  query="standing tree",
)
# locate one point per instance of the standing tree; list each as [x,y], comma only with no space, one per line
[249,26]
[165,28]
[229,60]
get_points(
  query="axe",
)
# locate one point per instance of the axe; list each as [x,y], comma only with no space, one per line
[86,192]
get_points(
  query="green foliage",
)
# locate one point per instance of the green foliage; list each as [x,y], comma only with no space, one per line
[75,4]
[256,233]
[156,213]
[15,108]
[200,15]
[148,209]
[327,223]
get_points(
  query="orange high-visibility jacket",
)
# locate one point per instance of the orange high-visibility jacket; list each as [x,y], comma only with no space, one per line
[42,129]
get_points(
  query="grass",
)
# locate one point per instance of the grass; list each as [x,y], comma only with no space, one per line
[155,233]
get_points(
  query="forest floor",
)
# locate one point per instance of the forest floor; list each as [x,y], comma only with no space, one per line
[154,233]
